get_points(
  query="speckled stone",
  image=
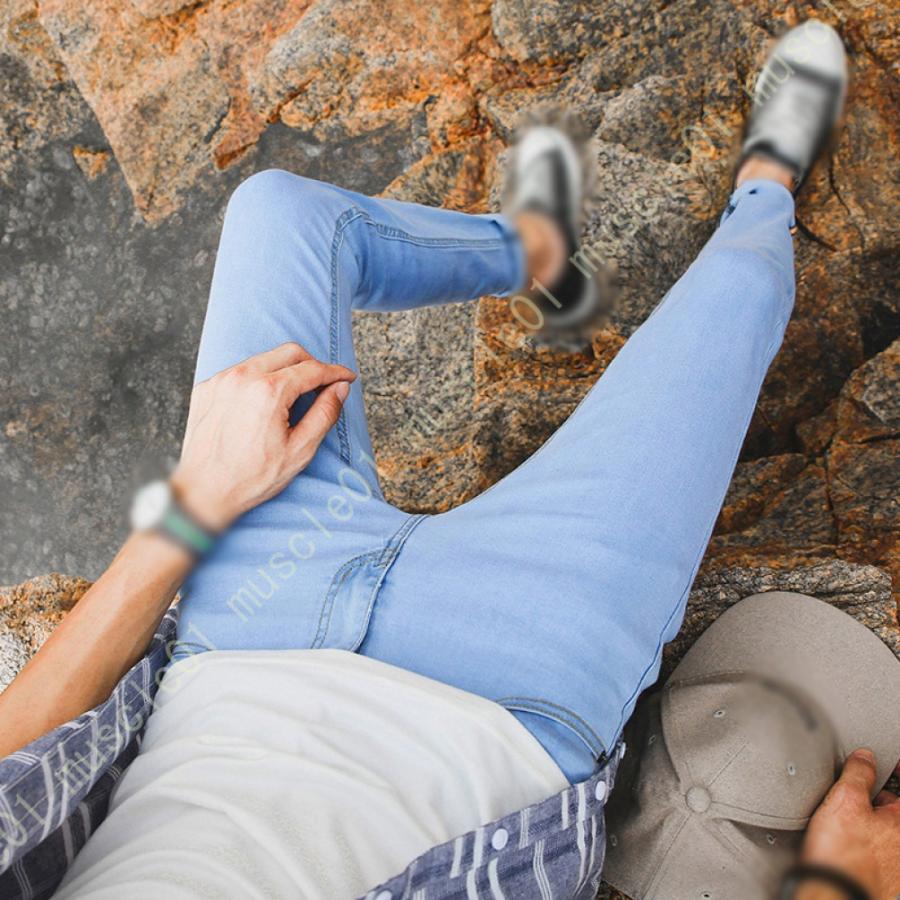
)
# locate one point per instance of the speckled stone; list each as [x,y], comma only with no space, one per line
[869,404]
[862,591]
[126,126]
[28,614]
[13,655]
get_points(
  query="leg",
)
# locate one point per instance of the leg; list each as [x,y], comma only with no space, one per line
[295,257]
[554,592]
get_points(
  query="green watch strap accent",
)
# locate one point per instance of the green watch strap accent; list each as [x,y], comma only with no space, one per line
[179,526]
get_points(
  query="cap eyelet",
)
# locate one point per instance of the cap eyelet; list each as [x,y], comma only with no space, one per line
[719,713]
[706,895]
[771,840]
[791,769]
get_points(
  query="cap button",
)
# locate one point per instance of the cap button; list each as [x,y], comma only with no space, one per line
[698,799]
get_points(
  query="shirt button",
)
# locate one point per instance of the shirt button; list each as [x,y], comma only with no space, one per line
[698,799]
[600,791]
[500,839]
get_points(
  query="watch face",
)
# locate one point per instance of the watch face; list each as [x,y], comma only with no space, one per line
[150,505]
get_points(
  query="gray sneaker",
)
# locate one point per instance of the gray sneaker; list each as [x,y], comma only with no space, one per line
[798,99]
[550,173]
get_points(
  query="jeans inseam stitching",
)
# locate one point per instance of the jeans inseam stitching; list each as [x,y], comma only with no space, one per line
[392,547]
[545,708]
[350,215]
[537,453]
[391,233]
[344,220]
[339,578]
[696,563]
[396,543]
[396,235]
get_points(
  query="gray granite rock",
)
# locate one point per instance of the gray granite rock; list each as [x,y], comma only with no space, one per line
[116,161]
[101,315]
[13,655]
[860,590]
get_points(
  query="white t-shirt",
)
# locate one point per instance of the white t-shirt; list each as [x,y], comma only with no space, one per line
[303,773]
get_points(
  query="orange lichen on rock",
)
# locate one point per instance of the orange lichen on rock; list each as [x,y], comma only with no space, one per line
[163,78]
[91,162]
[184,89]
[32,610]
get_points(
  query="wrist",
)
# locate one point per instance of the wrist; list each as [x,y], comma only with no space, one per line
[849,861]
[157,551]
[207,508]
[158,509]
[810,881]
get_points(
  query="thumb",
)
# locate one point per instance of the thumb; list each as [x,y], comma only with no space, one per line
[320,418]
[858,776]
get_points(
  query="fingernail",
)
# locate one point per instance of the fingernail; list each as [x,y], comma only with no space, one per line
[866,753]
[342,389]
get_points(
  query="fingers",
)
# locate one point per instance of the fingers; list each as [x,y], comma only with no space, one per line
[320,418]
[308,375]
[288,354]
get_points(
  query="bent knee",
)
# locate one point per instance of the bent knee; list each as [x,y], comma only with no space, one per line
[268,185]
[274,194]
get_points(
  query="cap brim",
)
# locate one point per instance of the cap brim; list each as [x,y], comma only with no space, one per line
[818,650]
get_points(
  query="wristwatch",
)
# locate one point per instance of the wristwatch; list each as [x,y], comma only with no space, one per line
[156,508]
[801,875]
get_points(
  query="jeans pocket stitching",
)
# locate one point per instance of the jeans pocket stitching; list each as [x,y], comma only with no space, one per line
[341,576]
[383,562]
[560,714]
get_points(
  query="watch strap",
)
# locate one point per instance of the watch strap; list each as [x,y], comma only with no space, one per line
[802,874]
[181,527]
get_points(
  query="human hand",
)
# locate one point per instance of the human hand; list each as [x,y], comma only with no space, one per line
[239,448]
[852,835]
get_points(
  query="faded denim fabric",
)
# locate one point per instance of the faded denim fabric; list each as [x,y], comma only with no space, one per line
[552,593]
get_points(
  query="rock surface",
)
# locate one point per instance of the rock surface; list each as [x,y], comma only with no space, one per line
[125,125]
[28,614]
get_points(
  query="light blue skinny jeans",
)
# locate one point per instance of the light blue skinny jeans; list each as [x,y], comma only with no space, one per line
[553,592]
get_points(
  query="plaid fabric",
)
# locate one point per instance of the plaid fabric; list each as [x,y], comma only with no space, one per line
[554,849]
[56,791]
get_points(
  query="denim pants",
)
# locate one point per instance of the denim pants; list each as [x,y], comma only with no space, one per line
[553,592]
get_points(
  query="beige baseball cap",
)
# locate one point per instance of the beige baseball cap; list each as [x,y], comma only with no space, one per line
[727,763]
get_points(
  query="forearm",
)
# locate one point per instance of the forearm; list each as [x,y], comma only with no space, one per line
[99,640]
